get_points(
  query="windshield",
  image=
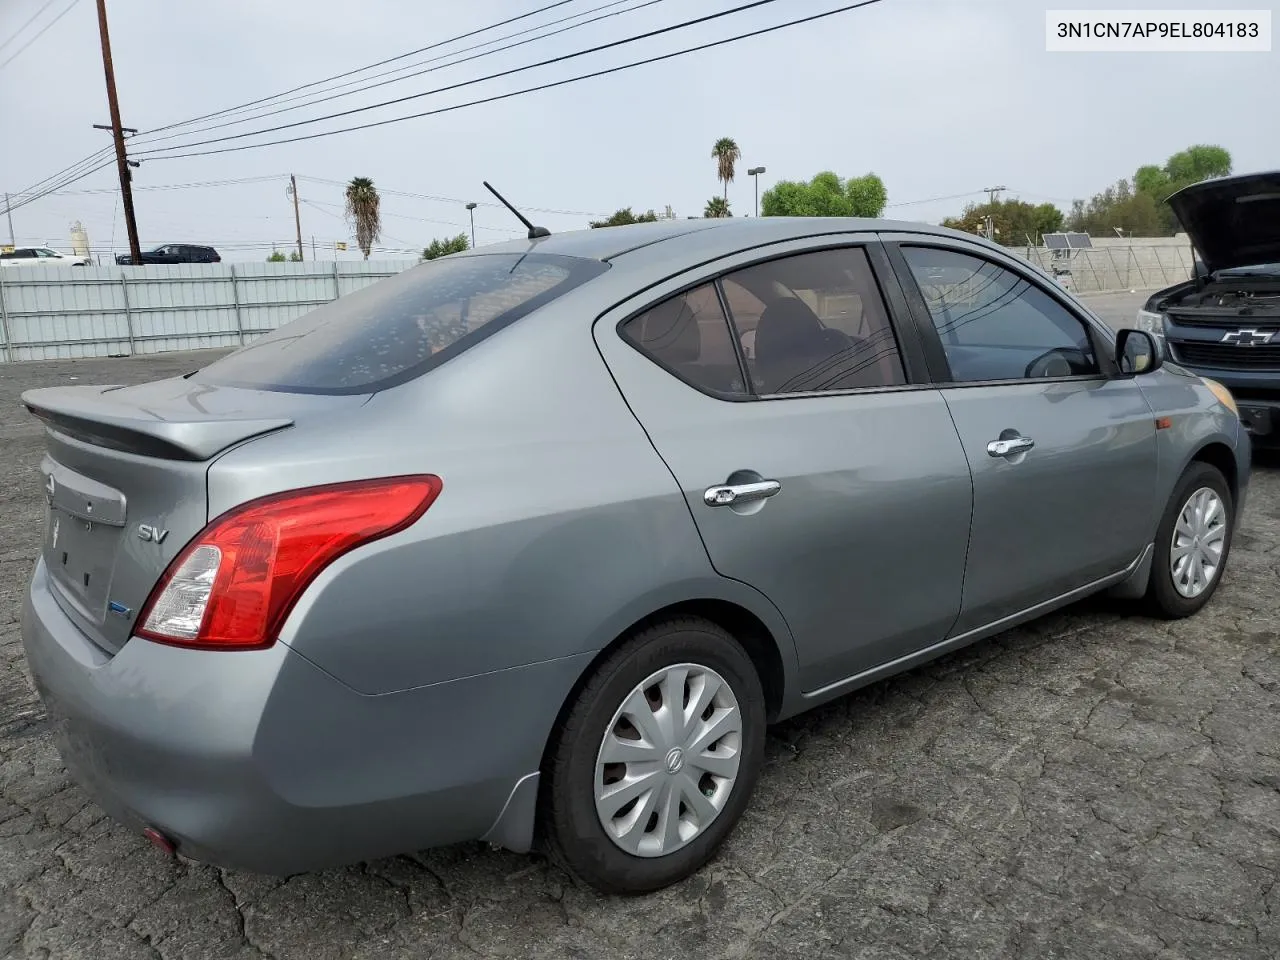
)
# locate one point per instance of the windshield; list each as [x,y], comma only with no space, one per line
[397,329]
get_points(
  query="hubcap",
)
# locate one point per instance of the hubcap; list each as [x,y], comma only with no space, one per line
[1195,554]
[669,760]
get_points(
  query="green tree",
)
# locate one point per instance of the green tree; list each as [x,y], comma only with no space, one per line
[1136,213]
[364,210]
[442,248]
[276,257]
[1140,206]
[726,155]
[717,207]
[623,217]
[826,195]
[1014,220]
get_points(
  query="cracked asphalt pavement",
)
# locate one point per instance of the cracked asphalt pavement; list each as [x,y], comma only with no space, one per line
[1092,785]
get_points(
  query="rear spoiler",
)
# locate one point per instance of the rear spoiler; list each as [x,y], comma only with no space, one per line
[89,414]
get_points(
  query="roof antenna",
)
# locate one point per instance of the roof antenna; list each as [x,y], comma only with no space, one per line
[534,232]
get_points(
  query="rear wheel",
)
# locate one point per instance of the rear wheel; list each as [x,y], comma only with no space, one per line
[1192,544]
[657,758]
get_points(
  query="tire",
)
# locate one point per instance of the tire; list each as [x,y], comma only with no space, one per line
[1163,598]
[575,833]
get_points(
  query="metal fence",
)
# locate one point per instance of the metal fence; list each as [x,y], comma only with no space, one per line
[51,313]
[1114,266]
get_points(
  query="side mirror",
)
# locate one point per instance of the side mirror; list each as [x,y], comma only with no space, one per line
[1137,352]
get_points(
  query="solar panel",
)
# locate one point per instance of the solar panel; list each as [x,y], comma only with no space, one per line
[1067,241]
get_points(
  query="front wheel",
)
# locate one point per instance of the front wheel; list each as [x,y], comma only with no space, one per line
[657,758]
[1192,544]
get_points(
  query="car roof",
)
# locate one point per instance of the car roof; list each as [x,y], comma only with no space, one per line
[718,235]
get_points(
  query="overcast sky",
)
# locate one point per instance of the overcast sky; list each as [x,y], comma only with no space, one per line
[938,97]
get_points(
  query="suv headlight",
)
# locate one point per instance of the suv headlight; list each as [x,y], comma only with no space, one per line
[1152,323]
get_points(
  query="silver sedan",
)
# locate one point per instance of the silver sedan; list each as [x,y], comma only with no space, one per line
[529,544]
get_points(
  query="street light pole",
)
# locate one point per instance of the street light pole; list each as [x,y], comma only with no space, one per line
[754,173]
[471,209]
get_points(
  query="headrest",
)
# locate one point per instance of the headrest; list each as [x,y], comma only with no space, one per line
[787,326]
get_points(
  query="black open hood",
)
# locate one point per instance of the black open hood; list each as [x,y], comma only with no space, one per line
[1232,221]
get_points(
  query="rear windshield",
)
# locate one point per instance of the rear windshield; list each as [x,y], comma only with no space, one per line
[397,329]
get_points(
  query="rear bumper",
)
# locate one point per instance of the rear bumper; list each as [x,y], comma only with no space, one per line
[259,760]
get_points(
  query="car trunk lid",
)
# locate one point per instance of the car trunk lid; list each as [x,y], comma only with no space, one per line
[1232,221]
[125,484]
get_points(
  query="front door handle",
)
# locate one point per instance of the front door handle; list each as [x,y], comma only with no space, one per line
[730,494]
[1009,448]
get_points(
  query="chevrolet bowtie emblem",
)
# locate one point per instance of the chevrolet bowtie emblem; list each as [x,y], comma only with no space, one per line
[1248,337]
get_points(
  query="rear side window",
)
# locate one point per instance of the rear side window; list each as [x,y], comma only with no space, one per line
[814,322]
[397,329]
[689,335]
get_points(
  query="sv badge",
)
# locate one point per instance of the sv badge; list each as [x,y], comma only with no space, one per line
[151,534]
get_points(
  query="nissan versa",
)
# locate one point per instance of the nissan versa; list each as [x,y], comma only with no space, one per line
[528,544]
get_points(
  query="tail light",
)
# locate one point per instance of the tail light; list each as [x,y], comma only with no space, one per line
[232,587]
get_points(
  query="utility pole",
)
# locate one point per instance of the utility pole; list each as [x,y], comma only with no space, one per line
[9,212]
[297,217]
[117,132]
[991,193]
[313,246]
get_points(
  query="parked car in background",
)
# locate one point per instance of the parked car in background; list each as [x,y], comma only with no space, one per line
[1225,321]
[41,257]
[522,544]
[174,253]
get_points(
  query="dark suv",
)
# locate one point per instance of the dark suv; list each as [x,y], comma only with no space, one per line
[1224,323]
[175,253]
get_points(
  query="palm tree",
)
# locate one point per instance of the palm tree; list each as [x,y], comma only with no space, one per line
[363,210]
[717,207]
[725,153]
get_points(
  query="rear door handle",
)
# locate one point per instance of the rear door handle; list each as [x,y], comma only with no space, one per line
[732,493]
[1009,448]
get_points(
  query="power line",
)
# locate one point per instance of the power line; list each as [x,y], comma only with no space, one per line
[912,203]
[417,73]
[318,204]
[79,164]
[39,33]
[43,7]
[371,66]
[545,86]
[66,181]
[467,83]
[427,196]
[179,186]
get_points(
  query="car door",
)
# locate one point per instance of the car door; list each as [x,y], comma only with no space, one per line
[1062,449]
[823,469]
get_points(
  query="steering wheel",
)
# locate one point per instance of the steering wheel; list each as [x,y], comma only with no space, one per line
[1051,363]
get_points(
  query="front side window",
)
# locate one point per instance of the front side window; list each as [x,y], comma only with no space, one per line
[689,335]
[398,328]
[995,325]
[814,322]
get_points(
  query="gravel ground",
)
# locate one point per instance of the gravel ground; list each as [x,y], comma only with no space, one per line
[1094,785]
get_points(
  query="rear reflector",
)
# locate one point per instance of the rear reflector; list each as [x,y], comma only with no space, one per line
[232,587]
